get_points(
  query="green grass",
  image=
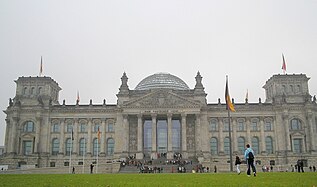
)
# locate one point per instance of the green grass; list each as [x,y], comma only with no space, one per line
[308,179]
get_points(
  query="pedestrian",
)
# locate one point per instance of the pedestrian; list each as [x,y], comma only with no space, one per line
[215,169]
[314,168]
[91,168]
[271,168]
[237,163]
[249,157]
[73,172]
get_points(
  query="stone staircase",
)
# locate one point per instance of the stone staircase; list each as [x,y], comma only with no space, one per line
[161,163]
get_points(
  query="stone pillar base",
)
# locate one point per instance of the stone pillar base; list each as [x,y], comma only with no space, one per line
[139,155]
[170,155]
[154,155]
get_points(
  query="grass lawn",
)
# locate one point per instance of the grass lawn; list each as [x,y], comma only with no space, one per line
[308,179]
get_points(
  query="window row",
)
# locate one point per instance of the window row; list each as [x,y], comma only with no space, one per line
[83,127]
[291,89]
[32,91]
[83,146]
[241,125]
[214,145]
[295,124]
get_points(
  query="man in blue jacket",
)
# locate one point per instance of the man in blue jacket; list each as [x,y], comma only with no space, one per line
[249,157]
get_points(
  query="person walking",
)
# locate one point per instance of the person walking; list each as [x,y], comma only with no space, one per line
[91,168]
[249,157]
[237,163]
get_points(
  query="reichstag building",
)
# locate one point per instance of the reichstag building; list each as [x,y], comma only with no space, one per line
[160,117]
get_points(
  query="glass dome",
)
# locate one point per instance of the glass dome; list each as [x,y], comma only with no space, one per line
[162,80]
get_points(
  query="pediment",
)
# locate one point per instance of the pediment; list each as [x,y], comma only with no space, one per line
[162,99]
[297,134]
[27,136]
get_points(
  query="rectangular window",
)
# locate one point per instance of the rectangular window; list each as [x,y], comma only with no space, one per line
[297,145]
[27,147]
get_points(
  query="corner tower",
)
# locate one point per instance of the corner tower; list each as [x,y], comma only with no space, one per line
[287,89]
[36,91]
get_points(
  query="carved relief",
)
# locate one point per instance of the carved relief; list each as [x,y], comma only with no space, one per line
[190,134]
[133,134]
[162,99]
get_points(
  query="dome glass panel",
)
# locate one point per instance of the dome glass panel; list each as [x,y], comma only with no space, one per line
[162,80]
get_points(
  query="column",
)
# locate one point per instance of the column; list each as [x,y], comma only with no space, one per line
[62,136]
[37,135]
[12,147]
[89,138]
[312,130]
[103,137]
[248,125]
[126,134]
[184,141]
[140,137]
[262,137]
[7,136]
[287,136]
[169,136]
[153,132]
[234,136]
[198,134]
[220,135]
[75,130]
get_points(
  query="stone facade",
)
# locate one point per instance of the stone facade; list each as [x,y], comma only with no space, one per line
[160,116]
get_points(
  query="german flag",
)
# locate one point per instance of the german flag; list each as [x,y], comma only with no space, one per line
[227,97]
[98,134]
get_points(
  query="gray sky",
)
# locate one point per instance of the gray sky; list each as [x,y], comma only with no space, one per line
[87,45]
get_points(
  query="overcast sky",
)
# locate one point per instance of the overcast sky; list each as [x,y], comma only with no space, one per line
[87,45]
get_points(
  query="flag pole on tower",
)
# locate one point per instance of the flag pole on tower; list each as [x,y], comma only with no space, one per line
[41,67]
[284,64]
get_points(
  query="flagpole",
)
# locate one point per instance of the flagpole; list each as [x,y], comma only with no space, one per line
[97,157]
[230,146]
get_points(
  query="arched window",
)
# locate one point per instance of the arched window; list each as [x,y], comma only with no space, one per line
[96,147]
[241,144]
[32,90]
[55,146]
[28,126]
[214,146]
[69,127]
[268,125]
[55,127]
[40,90]
[82,146]
[82,127]
[68,146]
[241,126]
[296,124]
[269,144]
[110,127]
[213,125]
[96,127]
[226,146]
[25,91]
[110,147]
[255,144]
[254,125]
[225,125]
